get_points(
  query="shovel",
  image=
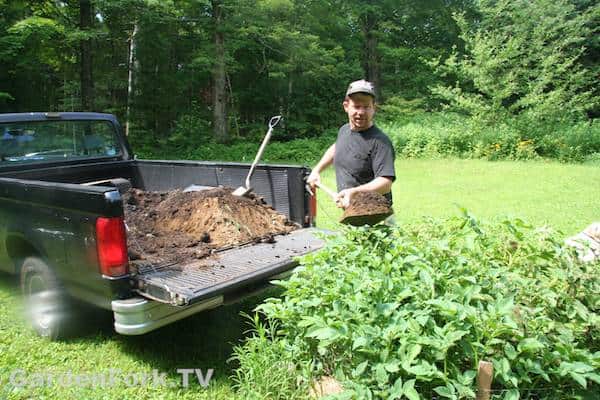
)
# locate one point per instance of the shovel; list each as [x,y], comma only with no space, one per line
[244,190]
[367,217]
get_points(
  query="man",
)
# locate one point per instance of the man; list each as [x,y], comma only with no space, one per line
[363,156]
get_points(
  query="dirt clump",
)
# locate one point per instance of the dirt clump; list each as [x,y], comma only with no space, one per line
[177,225]
[366,207]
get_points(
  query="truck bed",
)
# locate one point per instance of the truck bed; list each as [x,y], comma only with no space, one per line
[225,271]
[71,208]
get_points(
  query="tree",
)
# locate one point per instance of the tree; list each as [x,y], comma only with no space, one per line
[522,58]
[34,51]
[220,127]
[86,75]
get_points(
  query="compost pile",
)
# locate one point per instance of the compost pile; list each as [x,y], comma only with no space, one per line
[177,225]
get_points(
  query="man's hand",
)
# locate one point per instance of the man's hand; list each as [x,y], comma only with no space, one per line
[313,179]
[344,197]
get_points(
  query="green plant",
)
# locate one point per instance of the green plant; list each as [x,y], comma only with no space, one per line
[267,368]
[408,312]
[514,138]
[183,145]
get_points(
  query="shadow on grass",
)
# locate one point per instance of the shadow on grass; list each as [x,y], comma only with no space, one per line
[205,340]
[9,283]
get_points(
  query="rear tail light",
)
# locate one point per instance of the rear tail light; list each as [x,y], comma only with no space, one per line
[111,243]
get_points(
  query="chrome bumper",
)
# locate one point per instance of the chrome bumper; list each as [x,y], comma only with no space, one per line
[138,315]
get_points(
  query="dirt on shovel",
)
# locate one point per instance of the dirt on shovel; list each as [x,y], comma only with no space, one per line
[366,208]
[175,226]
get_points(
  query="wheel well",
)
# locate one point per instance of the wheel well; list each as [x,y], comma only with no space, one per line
[18,249]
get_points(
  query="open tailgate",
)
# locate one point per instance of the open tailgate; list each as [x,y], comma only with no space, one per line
[225,270]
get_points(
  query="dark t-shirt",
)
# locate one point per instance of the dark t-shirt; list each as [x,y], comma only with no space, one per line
[362,156]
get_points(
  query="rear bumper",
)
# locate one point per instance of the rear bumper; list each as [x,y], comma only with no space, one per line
[137,315]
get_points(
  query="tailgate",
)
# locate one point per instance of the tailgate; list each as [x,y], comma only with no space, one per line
[224,271]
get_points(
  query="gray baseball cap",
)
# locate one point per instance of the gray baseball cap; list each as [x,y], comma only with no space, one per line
[361,86]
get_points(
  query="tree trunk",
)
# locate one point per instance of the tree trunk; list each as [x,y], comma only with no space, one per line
[290,96]
[86,79]
[219,97]
[132,65]
[371,55]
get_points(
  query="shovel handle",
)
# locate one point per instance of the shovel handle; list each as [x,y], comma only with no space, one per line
[274,121]
[327,190]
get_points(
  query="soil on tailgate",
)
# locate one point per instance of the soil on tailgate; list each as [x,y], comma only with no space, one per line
[176,226]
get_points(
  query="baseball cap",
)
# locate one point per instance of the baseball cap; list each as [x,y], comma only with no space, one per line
[361,86]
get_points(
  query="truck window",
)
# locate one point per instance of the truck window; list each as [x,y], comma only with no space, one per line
[37,141]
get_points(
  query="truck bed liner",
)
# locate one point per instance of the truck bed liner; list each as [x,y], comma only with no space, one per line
[224,271]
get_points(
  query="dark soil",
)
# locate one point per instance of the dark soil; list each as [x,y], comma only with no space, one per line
[366,208]
[178,226]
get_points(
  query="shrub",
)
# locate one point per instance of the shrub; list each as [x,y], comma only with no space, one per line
[410,311]
[297,151]
[517,138]
[414,134]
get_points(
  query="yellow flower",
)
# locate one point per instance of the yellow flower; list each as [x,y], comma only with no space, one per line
[525,143]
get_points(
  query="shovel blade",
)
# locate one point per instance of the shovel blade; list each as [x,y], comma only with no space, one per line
[241,191]
[369,219]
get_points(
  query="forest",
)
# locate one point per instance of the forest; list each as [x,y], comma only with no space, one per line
[187,72]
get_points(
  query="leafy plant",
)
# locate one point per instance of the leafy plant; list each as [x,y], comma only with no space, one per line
[408,312]
[267,368]
[445,134]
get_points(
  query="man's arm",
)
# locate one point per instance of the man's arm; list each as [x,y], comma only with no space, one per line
[381,184]
[324,162]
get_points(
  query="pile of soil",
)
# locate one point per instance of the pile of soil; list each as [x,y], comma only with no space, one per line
[366,208]
[177,225]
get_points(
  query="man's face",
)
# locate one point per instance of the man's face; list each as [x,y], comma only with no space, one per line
[360,109]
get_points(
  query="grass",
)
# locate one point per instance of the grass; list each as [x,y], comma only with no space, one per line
[562,195]
[204,341]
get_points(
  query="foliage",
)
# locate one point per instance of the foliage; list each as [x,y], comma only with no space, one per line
[523,70]
[281,57]
[192,140]
[408,312]
[522,58]
[267,367]
[419,134]
[415,134]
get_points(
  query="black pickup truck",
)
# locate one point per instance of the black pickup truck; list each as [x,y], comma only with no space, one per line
[62,225]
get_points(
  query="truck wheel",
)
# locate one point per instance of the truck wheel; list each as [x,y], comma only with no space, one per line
[47,304]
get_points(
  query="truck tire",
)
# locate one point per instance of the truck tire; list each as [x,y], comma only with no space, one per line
[48,306]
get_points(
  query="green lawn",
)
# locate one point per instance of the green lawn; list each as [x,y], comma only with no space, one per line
[565,196]
[203,341]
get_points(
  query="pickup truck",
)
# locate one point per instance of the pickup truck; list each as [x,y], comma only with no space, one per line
[62,227]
